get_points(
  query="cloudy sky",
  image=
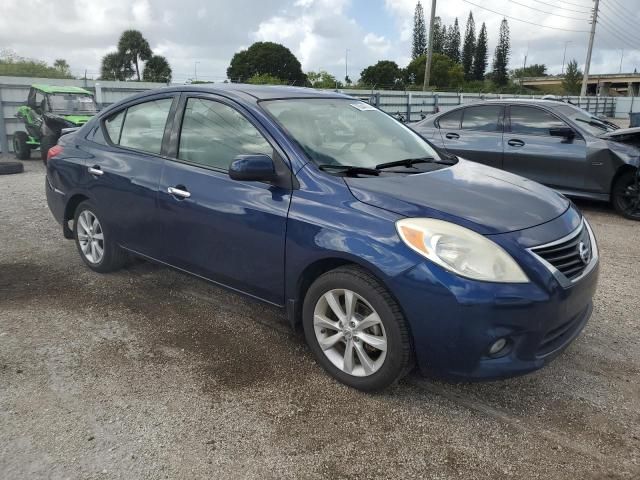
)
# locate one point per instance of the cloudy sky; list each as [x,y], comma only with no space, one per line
[209,32]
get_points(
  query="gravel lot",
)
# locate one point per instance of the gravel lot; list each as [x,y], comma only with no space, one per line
[148,373]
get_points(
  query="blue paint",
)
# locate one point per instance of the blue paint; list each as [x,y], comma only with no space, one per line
[261,239]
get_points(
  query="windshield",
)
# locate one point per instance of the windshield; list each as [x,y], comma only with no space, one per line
[585,120]
[72,103]
[347,132]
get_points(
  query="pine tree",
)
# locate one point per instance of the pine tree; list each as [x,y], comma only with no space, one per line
[419,33]
[439,36]
[572,79]
[501,56]
[452,49]
[480,54]
[469,47]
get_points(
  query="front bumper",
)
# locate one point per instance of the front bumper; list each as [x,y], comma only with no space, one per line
[454,321]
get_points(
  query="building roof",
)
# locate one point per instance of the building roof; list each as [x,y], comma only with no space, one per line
[60,89]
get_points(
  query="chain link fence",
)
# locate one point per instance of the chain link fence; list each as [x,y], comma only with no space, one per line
[407,105]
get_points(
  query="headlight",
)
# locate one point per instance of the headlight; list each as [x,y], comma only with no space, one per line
[460,250]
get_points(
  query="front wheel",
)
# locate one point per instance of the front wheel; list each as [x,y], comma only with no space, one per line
[625,195]
[97,248]
[20,146]
[355,329]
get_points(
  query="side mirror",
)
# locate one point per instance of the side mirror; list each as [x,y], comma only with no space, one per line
[564,132]
[253,168]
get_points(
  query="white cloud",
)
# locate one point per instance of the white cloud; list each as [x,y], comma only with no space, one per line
[317,31]
[376,43]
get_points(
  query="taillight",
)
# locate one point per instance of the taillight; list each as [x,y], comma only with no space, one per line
[53,151]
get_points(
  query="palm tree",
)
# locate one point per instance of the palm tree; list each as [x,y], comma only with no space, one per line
[134,48]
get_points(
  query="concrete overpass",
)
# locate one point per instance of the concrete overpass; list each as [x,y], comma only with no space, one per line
[626,84]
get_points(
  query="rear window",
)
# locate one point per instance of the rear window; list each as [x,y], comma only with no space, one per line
[484,119]
[451,120]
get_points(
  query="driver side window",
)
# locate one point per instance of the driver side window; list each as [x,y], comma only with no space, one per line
[533,121]
[40,104]
[213,134]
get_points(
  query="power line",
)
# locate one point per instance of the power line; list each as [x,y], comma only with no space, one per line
[614,20]
[588,10]
[549,13]
[524,21]
[620,36]
[632,36]
[576,4]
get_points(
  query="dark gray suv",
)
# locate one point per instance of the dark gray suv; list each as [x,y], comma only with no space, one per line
[551,142]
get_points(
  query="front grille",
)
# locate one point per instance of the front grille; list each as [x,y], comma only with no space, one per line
[570,256]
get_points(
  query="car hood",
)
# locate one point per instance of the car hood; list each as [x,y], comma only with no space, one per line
[621,132]
[487,200]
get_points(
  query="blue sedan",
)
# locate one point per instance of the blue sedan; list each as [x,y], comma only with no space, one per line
[386,250]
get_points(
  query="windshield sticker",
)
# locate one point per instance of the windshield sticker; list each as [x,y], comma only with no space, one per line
[363,106]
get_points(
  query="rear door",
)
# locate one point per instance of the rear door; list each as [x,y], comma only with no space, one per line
[124,175]
[474,133]
[228,231]
[530,150]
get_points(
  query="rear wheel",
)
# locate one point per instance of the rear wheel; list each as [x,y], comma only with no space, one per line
[95,245]
[625,195]
[356,330]
[46,143]
[20,146]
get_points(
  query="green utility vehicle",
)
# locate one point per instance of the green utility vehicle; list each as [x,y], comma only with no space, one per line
[48,111]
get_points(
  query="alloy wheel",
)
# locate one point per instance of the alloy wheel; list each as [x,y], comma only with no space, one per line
[350,332]
[90,237]
[628,198]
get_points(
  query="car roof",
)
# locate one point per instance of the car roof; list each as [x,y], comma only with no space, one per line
[60,89]
[535,101]
[258,92]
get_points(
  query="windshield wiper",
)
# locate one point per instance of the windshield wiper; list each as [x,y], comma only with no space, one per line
[408,162]
[595,123]
[349,169]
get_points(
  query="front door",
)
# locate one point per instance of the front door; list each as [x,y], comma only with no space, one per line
[530,151]
[228,231]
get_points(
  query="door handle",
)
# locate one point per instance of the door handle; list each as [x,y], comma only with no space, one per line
[514,142]
[95,170]
[452,136]
[179,192]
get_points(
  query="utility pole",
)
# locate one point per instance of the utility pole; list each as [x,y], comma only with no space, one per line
[621,57]
[427,67]
[587,64]
[564,55]
[346,64]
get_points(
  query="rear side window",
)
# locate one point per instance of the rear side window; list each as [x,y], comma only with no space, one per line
[484,119]
[113,125]
[213,134]
[451,121]
[141,126]
[533,121]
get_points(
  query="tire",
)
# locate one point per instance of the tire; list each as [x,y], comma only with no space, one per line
[8,168]
[20,146]
[112,257]
[625,196]
[46,143]
[385,366]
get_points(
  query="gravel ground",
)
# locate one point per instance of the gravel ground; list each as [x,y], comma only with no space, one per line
[148,373]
